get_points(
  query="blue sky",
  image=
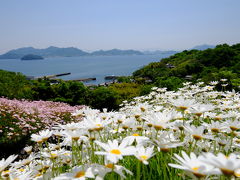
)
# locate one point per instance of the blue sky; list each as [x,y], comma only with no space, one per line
[124,24]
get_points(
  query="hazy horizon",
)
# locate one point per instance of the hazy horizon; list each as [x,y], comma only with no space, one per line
[106,24]
[89,51]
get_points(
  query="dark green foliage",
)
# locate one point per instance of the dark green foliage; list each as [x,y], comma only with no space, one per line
[42,90]
[146,89]
[71,92]
[14,85]
[152,71]
[222,55]
[124,79]
[103,97]
[208,65]
[172,83]
[125,91]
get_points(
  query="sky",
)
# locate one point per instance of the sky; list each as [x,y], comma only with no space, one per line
[124,24]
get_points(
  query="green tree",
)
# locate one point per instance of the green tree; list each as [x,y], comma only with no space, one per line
[14,85]
[125,91]
[72,92]
[171,83]
[103,97]
[42,90]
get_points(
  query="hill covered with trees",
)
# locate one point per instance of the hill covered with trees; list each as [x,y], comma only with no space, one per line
[222,62]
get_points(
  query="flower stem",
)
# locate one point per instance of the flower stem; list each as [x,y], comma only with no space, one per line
[138,170]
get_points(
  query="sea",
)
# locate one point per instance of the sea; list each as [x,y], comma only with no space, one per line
[82,67]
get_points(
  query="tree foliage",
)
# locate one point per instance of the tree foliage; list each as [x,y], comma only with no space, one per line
[208,65]
[14,85]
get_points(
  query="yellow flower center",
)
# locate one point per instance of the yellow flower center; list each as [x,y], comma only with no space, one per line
[80,174]
[195,168]
[221,144]
[197,137]
[218,118]
[22,170]
[111,166]
[143,157]
[196,173]
[233,128]
[181,128]
[135,134]
[75,138]
[5,173]
[92,138]
[149,125]
[53,155]
[142,109]
[44,139]
[115,151]
[119,121]
[158,127]
[98,128]
[39,174]
[237,174]
[227,172]
[198,114]
[183,108]
[165,150]
[215,130]
[137,116]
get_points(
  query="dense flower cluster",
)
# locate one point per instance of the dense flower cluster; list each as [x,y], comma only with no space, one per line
[193,132]
[20,118]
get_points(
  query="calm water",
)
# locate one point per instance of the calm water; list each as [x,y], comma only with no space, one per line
[81,67]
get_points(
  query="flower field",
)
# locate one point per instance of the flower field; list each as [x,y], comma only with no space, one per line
[192,133]
[19,119]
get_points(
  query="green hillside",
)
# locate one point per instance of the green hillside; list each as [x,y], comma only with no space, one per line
[222,62]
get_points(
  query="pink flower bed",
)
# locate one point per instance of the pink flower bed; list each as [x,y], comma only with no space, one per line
[21,118]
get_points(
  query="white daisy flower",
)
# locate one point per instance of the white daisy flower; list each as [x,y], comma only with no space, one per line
[114,151]
[196,132]
[182,103]
[6,162]
[81,173]
[194,165]
[143,154]
[101,170]
[42,136]
[227,164]
[136,137]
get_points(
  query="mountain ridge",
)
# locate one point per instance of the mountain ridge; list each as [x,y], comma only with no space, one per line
[53,51]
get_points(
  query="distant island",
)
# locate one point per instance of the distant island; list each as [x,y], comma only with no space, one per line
[114,52]
[31,57]
[203,47]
